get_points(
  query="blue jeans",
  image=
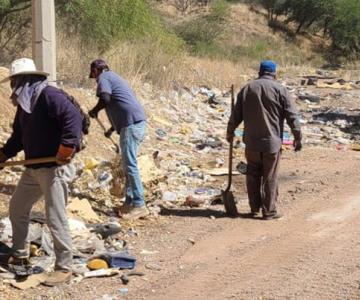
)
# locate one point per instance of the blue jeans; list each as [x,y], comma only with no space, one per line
[130,140]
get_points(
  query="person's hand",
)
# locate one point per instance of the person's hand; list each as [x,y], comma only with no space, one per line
[230,136]
[109,132]
[3,158]
[64,155]
[297,145]
[93,113]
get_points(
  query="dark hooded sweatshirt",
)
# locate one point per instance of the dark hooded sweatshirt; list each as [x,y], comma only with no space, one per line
[54,121]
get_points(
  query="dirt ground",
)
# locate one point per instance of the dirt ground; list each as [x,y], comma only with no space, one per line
[312,253]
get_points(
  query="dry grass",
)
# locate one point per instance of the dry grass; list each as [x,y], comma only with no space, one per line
[137,62]
[144,61]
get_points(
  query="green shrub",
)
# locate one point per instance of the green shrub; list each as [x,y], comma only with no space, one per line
[201,34]
[105,22]
[344,30]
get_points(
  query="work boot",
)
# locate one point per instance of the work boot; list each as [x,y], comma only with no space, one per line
[19,261]
[58,277]
[250,215]
[20,266]
[136,213]
[125,208]
[272,217]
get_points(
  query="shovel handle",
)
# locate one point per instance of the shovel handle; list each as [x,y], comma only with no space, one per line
[110,138]
[26,162]
[231,144]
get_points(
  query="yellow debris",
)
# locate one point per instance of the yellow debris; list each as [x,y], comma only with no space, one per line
[97,264]
[91,163]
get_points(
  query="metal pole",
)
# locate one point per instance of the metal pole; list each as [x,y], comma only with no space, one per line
[44,37]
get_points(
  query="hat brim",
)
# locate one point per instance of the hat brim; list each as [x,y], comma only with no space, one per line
[6,79]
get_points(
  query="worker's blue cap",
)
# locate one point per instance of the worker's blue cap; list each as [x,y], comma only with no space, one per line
[267,66]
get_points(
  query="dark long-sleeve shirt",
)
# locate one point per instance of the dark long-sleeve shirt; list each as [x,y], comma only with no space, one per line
[54,121]
[263,105]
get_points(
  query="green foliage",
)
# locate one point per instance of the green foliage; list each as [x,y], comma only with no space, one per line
[4,5]
[337,19]
[344,29]
[105,22]
[273,7]
[201,34]
[308,12]
[257,50]
[15,18]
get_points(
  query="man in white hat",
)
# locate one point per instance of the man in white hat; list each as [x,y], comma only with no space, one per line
[47,124]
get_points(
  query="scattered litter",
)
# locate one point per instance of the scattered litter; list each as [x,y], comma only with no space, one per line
[153,266]
[102,273]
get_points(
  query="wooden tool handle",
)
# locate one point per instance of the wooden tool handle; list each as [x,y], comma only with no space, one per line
[25,162]
[231,145]
[110,138]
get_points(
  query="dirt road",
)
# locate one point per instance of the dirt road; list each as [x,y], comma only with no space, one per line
[312,253]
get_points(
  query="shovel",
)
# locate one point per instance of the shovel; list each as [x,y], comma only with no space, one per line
[110,138]
[26,162]
[227,195]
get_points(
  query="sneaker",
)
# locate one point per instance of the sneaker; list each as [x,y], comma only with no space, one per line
[136,213]
[57,278]
[272,217]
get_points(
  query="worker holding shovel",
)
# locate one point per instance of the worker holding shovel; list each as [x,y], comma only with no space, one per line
[128,118]
[48,128]
[263,105]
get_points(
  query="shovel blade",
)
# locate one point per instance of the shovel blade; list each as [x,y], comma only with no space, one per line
[229,203]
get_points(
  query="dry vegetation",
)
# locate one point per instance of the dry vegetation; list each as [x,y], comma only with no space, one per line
[246,33]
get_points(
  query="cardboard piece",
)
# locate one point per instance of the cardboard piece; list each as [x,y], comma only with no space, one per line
[30,282]
[82,209]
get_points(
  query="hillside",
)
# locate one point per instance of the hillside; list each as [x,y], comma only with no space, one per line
[227,55]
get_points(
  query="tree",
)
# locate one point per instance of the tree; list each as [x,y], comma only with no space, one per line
[344,29]
[306,13]
[273,7]
[15,20]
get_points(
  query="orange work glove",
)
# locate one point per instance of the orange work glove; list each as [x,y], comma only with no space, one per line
[64,155]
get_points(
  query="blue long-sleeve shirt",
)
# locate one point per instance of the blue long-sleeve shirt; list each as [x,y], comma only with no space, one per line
[54,121]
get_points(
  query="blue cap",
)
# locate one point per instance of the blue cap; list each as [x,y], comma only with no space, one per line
[267,66]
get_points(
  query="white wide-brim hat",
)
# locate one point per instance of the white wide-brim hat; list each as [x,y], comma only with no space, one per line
[23,66]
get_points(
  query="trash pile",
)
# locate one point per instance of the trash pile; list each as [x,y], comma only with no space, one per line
[98,250]
[181,159]
[185,148]
[330,118]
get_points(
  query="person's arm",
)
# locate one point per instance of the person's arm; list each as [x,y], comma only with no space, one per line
[292,118]
[104,91]
[236,117]
[104,100]
[70,120]
[14,143]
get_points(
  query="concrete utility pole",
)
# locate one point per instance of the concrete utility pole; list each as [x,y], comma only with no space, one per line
[44,37]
